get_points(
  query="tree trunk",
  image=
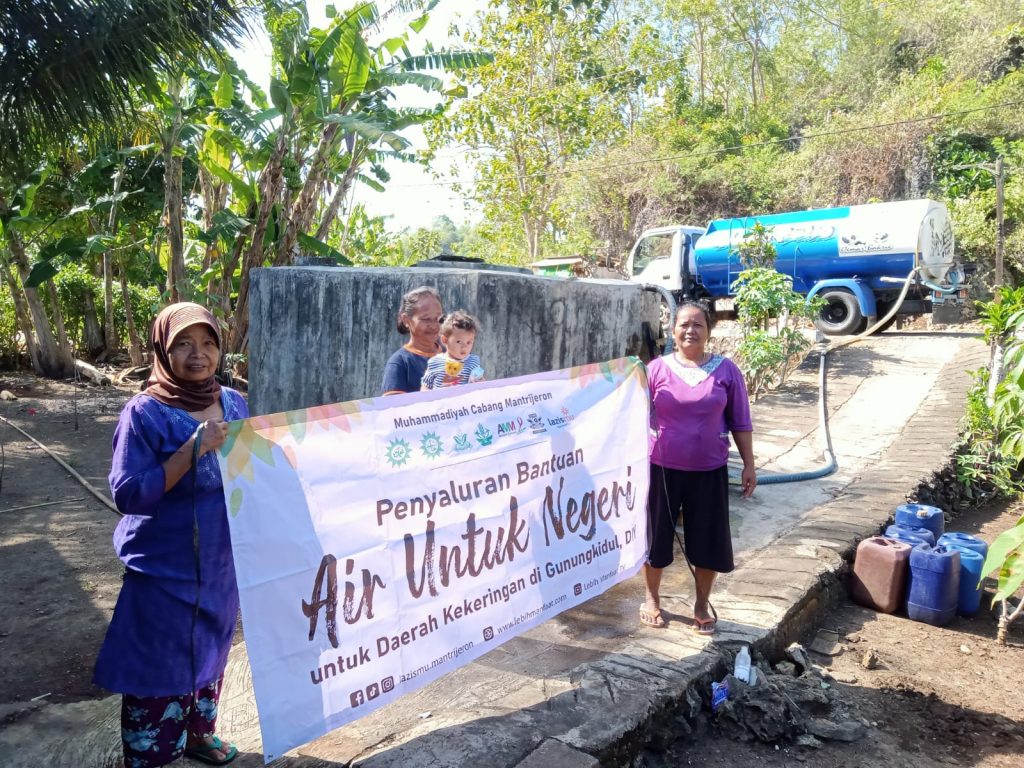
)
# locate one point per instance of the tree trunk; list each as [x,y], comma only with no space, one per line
[701,64]
[339,195]
[215,195]
[21,314]
[230,263]
[58,318]
[270,189]
[54,361]
[177,279]
[94,341]
[110,336]
[135,350]
[302,212]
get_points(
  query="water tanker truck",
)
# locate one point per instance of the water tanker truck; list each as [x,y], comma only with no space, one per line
[856,258]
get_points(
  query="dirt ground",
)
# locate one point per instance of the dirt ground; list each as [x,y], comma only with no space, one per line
[60,575]
[945,696]
[939,696]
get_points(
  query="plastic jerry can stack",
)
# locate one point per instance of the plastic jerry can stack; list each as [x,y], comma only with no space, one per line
[934,584]
[962,541]
[879,577]
[922,516]
[972,557]
[911,535]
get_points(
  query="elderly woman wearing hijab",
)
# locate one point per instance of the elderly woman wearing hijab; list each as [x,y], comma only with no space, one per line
[420,318]
[169,638]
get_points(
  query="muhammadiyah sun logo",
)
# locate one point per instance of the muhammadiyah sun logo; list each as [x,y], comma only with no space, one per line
[398,452]
[431,445]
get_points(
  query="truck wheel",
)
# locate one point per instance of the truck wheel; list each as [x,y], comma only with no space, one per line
[883,310]
[841,314]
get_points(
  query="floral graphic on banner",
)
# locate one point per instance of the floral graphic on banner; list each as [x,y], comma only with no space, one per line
[256,436]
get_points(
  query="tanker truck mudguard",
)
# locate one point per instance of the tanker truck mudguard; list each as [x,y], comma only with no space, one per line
[856,258]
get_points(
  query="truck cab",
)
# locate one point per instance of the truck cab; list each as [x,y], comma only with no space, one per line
[665,256]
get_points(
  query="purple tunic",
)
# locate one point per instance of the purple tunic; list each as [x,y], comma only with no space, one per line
[694,411]
[148,649]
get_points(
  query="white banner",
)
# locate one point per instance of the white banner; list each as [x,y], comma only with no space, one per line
[381,543]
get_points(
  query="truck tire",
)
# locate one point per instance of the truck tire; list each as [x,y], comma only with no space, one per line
[883,310]
[841,314]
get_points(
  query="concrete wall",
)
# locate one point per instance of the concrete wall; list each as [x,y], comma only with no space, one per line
[322,335]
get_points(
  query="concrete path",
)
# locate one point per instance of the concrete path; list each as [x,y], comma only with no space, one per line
[591,686]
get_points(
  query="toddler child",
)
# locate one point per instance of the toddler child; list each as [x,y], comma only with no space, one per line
[455,365]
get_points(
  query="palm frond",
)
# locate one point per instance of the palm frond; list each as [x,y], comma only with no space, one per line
[67,67]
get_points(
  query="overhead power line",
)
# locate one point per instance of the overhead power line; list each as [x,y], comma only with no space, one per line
[719,150]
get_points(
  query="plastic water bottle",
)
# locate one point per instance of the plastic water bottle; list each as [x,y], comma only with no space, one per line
[742,669]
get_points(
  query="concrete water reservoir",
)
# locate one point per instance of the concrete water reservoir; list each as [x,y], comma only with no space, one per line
[322,334]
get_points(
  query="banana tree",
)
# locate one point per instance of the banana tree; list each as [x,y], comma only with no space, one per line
[334,91]
[47,344]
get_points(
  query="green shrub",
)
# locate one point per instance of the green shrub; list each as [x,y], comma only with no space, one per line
[10,353]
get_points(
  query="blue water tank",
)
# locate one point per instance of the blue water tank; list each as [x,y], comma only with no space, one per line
[870,243]
[935,584]
[912,535]
[922,516]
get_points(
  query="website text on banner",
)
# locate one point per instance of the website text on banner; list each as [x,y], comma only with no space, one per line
[379,544]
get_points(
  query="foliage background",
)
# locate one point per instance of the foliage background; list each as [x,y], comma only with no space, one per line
[587,121]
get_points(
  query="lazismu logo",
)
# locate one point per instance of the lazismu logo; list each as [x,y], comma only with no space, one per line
[563,420]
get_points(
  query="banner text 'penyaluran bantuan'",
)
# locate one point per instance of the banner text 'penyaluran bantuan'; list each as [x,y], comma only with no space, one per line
[381,543]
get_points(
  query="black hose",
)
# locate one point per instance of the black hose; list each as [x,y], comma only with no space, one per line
[670,300]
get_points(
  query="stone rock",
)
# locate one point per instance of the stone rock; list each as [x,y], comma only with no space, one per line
[8,395]
[692,705]
[554,752]
[806,692]
[807,740]
[796,653]
[787,668]
[848,730]
[844,677]
[765,713]
[870,659]
[826,643]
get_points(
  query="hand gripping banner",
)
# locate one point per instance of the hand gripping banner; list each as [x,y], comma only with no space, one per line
[381,543]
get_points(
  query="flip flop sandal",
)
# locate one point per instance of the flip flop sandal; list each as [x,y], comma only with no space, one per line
[704,627]
[654,620]
[204,752]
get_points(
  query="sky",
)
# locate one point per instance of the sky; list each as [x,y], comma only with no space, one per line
[413,198]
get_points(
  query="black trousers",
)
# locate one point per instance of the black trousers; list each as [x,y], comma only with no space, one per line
[703,500]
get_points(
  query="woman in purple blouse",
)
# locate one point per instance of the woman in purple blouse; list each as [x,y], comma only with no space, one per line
[697,399]
[169,638]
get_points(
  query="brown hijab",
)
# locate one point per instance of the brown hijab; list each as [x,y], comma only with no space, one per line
[163,384]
